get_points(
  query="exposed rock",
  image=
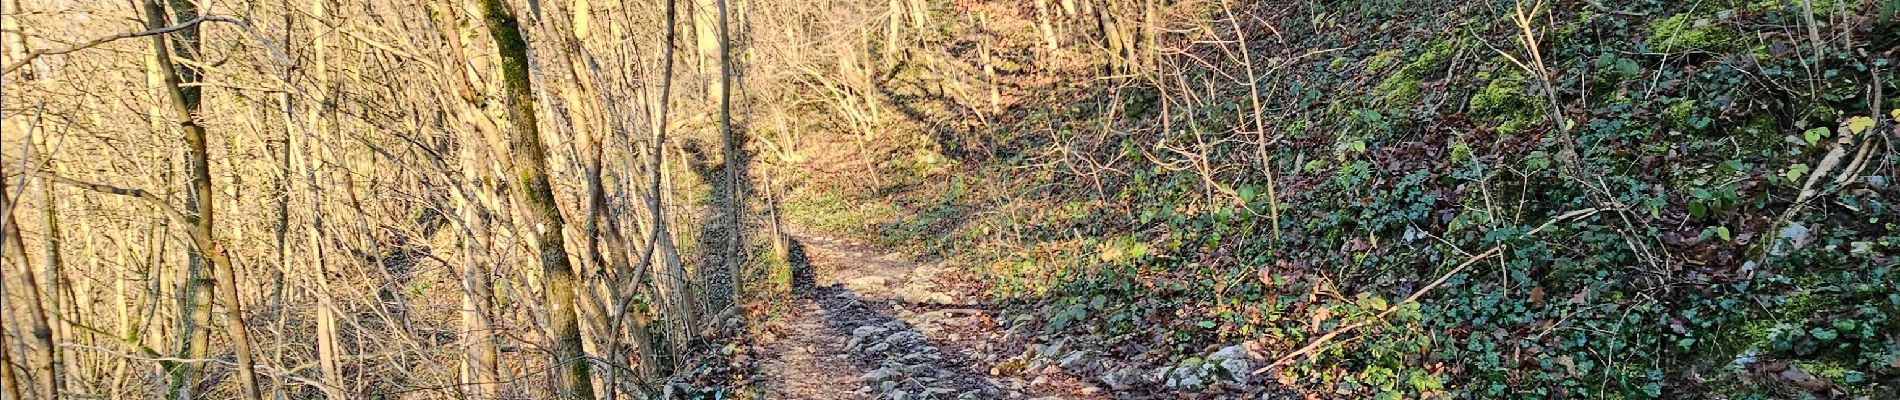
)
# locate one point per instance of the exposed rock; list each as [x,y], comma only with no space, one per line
[880,375]
[1192,375]
[867,283]
[1122,379]
[1233,362]
[1073,360]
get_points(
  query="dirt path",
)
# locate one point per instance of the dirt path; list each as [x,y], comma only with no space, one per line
[874,325]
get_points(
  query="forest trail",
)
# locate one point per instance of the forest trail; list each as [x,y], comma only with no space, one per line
[868,324]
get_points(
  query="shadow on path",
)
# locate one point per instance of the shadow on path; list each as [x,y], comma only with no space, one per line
[876,352]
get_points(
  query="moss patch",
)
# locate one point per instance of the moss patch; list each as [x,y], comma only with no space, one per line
[1506,102]
[1404,87]
[1684,32]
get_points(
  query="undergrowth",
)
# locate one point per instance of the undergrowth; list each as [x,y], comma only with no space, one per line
[1691,131]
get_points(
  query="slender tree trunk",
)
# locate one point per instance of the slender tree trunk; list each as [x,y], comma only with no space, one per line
[735,199]
[329,352]
[1042,25]
[194,316]
[185,102]
[280,150]
[533,190]
[45,357]
[9,383]
[893,32]
[480,359]
[50,244]
[679,293]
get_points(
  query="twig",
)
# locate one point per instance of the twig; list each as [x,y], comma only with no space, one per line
[1604,8]
[16,64]
[273,370]
[36,54]
[1328,337]
[141,194]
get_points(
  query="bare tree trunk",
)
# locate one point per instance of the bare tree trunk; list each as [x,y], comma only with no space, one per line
[480,360]
[893,32]
[9,383]
[1043,25]
[735,205]
[50,243]
[45,357]
[329,352]
[185,101]
[678,292]
[281,223]
[533,190]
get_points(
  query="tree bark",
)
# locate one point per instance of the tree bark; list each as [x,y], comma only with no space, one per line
[533,190]
[678,293]
[50,244]
[480,359]
[329,352]
[185,102]
[735,200]
[45,357]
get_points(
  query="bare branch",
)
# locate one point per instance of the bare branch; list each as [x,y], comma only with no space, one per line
[36,54]
[141,194]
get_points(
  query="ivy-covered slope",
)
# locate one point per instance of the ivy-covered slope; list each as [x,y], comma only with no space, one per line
[1713,217]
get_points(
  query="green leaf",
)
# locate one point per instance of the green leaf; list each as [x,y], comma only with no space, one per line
[1795,172]
[1814,135]
[1246,193]
[1722,232]
[1205,324]
[1372,302]
[1823,333]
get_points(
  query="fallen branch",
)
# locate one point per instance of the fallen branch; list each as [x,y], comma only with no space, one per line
[1328,337]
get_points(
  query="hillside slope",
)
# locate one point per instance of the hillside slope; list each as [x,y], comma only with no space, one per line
[1645,200]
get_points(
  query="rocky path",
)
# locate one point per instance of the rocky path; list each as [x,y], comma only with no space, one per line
[867,324]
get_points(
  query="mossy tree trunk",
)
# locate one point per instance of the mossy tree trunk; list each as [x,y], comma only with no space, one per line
[532,189]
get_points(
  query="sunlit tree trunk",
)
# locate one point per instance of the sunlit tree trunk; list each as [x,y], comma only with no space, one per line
[735,199]
[185,102]
[50,244]
[678,293]
[9,383]
[533,190]
[45,358]
[329,352]
[480,358]
[1042,25]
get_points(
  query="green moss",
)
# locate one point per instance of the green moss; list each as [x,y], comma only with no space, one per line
[1821,7]
[1685,32]
[1382,60]
[1680,112]
[1400,91]
[1505,102]
[1404,87]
